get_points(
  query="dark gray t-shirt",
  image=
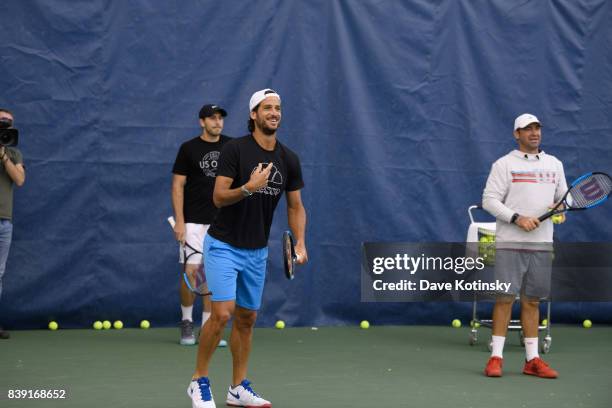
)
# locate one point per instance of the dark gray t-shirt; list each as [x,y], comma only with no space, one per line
[6,184]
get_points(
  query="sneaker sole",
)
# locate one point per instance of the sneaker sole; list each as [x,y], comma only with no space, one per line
[229,404]
[539,376]
[187,342]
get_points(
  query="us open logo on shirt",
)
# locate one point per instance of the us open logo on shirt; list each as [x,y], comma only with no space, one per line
[209,162]
[275,181]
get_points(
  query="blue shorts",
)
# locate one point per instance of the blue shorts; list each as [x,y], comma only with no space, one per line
[235,273]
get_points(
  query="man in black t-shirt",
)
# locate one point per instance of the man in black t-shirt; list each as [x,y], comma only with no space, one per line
[194,172]
[253,173]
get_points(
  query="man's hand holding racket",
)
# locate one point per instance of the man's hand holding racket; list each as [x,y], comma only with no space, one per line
[301,255]
[179,231]
[527,223]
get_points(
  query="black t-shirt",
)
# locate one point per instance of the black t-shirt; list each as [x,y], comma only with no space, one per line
[197,159]
[246,224]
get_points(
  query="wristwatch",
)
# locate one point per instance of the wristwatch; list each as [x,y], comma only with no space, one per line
[514,218]
[245,192]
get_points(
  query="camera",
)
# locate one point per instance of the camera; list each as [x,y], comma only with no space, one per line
[8,136]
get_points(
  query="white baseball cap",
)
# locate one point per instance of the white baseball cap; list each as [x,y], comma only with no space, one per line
[260,96]
[524,120]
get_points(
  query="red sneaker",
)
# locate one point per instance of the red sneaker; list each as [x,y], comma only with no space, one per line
[494,367]
[539,368]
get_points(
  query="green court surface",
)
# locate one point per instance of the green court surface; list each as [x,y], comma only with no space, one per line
[412,366]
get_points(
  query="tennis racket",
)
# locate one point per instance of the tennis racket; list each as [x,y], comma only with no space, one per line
[587,191]
[196,281]
[289,255]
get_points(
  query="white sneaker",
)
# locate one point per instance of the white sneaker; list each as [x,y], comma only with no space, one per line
[200,394]
[244,396]
[187,337]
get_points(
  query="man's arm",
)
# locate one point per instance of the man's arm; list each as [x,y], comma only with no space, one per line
[178,199]
[224,195]
[296,215]
[495,192]
[15,171]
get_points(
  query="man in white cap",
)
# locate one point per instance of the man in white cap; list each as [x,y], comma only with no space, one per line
[252,174]
[521,186]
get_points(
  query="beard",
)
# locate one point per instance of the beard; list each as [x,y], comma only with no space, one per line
[214,132]
[266,130]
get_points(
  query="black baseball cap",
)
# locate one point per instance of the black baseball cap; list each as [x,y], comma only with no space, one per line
[209,110]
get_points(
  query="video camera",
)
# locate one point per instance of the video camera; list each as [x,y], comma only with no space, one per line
[8,136]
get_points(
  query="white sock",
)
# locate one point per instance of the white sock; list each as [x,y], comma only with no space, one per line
[498,346]
[205,316]
[531,348]
[187,312]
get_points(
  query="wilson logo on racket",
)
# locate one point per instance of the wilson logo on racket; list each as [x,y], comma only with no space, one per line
[587,191]
[591,190]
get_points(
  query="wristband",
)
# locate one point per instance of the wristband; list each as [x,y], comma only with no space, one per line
[514,218]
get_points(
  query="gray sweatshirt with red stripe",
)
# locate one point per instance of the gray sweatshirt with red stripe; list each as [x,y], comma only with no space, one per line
[527,184]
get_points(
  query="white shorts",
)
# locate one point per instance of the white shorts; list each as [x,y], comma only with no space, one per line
[194,236]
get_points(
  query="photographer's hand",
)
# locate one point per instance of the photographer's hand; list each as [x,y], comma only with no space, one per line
[15,171]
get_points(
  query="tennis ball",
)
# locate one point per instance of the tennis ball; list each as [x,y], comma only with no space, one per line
[97,325]
[473,324]
[484,239]
[53,326]
[280,324]
[364,324]
[557,218]
[118,324]
[545,322]
[456,323]
[587,324]
[145,324]
[106,325]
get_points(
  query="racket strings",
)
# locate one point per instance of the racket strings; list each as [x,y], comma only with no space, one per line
[591,190]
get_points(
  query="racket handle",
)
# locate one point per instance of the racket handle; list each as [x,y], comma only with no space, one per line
[546,216]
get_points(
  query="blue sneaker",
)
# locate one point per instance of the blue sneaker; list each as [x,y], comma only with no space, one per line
[200,394]
[244,396]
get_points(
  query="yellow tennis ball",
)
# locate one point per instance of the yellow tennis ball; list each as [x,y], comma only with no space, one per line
[483,239]
[145,324]
[587,324]
[280,324]
[545,322]
[97,325]
[53,326]
[106,325]
[557,218]
[118,324]
[473,324]
[364,324]
[456,323]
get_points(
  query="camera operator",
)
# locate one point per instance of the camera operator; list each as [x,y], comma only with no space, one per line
[11,172]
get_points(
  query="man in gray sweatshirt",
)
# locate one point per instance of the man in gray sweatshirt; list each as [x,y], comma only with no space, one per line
[521,186]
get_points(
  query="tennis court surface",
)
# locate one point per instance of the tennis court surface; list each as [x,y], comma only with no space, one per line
[411,366]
